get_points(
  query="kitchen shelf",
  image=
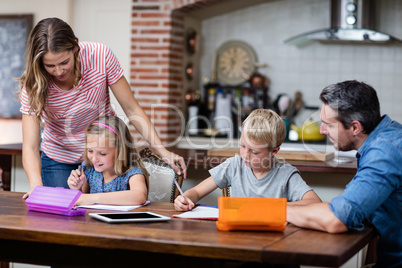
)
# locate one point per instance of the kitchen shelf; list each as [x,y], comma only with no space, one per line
[244,99]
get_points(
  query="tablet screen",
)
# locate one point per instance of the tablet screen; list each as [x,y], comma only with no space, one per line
[129,217]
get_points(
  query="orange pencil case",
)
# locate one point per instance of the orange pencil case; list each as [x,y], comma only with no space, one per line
[251,213]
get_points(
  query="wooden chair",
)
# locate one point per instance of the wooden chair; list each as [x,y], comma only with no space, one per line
[161,175]
[226,191]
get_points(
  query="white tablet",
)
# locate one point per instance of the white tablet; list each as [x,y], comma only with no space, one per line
[129,217]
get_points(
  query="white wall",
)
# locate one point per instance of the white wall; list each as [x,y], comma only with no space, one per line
[40,9]
[107,22]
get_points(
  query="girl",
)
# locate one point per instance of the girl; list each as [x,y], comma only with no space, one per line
[112,172]
[66,86]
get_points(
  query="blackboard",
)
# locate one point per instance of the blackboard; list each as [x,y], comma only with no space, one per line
[14,30]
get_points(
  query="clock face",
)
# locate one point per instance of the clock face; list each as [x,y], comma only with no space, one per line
[235,60]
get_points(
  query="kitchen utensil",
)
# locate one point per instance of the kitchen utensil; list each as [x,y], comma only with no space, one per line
[309,131]
[283,104]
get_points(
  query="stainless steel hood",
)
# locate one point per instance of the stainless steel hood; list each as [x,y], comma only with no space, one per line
[352,21]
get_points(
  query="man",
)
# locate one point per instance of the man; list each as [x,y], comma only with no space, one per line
[351,118]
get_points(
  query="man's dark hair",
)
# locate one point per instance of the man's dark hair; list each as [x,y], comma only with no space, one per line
[353,100]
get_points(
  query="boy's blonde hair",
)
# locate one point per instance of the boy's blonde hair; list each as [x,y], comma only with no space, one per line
[265,127]
[119,136]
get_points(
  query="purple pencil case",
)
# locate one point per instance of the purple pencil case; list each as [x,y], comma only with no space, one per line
[56,200]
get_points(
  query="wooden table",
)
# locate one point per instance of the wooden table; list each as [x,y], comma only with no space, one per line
[47,239]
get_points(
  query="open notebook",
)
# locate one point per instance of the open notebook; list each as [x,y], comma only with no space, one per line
[200,212]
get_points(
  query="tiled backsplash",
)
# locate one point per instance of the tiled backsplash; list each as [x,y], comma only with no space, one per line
[312,67]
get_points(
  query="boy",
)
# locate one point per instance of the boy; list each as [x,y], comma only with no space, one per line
[255,172]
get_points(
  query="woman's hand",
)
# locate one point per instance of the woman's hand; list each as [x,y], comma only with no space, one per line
[172,159]
[181,204]
[25,196]
[76,179]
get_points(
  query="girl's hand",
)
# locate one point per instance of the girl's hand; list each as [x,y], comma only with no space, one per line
[181,204]
[76,179]
[85,199]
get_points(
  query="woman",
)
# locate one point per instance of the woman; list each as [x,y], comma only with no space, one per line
[65,86]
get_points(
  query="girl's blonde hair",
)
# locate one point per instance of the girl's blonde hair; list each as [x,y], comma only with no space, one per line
[265,127]
[54,35]
[119,136]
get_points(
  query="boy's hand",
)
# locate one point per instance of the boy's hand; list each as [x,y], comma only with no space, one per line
[181,204]
[76,179]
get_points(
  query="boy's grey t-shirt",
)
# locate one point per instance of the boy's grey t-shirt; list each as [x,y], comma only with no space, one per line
[283,180]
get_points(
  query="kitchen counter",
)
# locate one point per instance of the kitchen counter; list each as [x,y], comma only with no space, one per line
[198,158]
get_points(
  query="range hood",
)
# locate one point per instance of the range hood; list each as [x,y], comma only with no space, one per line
[351,21]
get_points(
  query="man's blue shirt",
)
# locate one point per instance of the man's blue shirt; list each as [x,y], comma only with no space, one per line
[375,192]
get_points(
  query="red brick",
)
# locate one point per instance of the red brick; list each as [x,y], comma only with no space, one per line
[154,47]
[161,93]
[154,77]
[145,40]
[145,23]
[154,15]
[143,85]
[142,8]
[155,31]
[144,55]
[144,70]
[154,62]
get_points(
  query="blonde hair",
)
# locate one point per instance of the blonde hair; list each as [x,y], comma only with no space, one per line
[265,127]
[119,136]
[54,35]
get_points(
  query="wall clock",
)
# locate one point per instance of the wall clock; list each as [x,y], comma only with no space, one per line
[235,61]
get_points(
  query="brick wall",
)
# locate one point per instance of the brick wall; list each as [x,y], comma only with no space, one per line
[156,64]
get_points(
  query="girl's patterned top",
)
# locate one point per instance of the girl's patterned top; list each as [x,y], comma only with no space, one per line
[120,183]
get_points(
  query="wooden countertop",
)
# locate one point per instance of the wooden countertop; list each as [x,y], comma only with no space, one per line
[200,158]
[11,149]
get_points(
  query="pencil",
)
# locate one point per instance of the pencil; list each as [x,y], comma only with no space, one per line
[81,169]
[180,190]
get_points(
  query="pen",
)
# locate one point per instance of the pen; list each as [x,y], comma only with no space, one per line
[180,190]
[81,169]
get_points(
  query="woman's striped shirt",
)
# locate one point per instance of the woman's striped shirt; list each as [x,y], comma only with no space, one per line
[73,110]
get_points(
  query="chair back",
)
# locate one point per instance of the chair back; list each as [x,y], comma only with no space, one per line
[226,191]
[161,176]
